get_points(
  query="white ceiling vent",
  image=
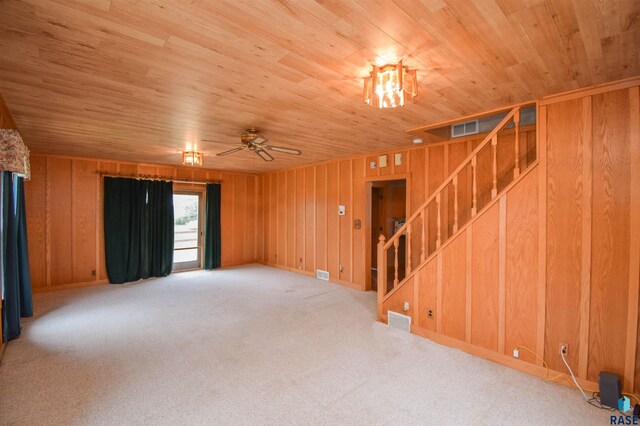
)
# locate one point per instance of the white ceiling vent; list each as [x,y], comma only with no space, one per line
[396,320]
[464,129]
[323,275]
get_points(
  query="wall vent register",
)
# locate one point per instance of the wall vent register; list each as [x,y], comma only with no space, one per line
[322,275]
[399,321]
[464,129]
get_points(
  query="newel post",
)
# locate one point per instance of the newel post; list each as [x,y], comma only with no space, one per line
[382,274]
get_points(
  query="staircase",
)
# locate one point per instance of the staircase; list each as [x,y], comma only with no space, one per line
[497,164]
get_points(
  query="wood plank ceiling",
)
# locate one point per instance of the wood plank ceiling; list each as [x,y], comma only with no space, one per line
[140,80]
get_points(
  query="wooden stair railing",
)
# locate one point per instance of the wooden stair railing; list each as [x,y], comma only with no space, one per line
[420,216]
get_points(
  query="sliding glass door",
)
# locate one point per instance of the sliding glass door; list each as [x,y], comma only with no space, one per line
[187,231]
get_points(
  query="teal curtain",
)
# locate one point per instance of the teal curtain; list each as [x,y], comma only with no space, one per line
[160,233]
[212,231]
[138,229]
[15,279]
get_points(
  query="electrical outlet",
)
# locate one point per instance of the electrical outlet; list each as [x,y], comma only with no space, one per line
[516,353]
[564,349]
[405,306]
[430,313]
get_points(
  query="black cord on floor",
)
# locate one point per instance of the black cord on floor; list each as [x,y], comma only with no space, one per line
[595,401]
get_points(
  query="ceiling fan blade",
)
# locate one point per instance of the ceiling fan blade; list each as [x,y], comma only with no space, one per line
[231,151]
[259,139]
[264,155]
[283,150]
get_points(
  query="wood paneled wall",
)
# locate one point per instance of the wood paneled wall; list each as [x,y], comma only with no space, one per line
[6,120]
[593,231]
[560,250]
[556,260]
[64,216]
[300,228]
[481,288]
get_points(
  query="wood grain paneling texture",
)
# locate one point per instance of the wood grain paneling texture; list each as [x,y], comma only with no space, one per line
[610,233]
[6,119]
[36,202]
[84,210]
[484,280]
[59,220]
[64,217]
[564,230]
[303,203]
[589,252]
[521,267]
[427,296]
[453,289]
[404,294]
[130,79]
[637,374]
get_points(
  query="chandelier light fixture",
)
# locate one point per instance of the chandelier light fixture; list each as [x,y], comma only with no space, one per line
[390,86]
[192,158]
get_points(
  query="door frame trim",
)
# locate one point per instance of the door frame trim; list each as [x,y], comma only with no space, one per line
[368,185]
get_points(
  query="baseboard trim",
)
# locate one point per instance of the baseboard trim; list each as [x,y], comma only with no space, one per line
[69,286]
[106,281]
[311,274]
[516,364]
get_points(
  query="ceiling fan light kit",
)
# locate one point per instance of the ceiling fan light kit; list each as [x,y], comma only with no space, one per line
[255,142]
[390,86]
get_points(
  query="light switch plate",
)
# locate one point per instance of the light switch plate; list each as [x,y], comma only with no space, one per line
[342,210]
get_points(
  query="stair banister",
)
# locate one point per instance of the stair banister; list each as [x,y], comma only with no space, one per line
[444,184]
[383,246]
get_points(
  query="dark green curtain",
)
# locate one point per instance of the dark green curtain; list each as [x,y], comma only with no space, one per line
[212,240]
[138,229]
[14,256]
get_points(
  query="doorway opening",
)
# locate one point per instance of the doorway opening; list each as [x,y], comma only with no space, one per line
[187,234]
[388,214]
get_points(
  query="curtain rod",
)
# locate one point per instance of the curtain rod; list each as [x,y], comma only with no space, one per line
[105,173]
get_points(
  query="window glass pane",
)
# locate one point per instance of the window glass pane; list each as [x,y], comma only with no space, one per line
[190,255]
[186,229]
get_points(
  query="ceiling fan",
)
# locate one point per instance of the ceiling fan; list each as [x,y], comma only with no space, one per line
[255,142]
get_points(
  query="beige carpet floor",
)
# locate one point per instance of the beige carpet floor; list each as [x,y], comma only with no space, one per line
[253,345]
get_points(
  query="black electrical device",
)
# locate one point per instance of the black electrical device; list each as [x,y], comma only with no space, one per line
[636,410]
[610,389]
